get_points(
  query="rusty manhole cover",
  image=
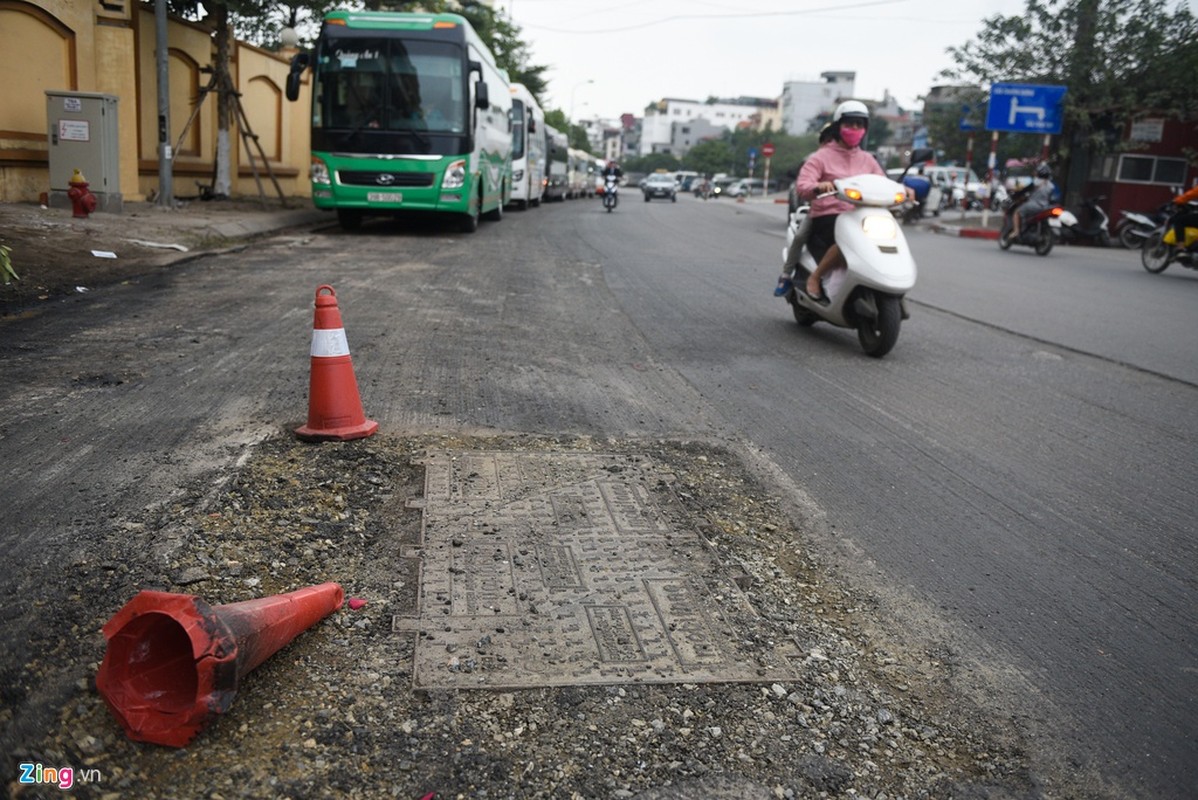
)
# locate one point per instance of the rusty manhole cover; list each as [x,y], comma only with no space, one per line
[542,569]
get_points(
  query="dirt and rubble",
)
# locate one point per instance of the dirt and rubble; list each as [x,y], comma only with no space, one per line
[335,714]
[54,254]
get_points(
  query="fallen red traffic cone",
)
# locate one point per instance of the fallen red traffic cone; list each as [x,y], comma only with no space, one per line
[174,662]
[334,406]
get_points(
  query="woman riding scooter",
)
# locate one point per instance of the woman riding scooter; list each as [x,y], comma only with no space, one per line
[840,158]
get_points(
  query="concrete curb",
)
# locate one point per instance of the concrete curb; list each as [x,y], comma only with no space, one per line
[966,233]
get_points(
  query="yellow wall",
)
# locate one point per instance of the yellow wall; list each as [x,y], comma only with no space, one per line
[89,46]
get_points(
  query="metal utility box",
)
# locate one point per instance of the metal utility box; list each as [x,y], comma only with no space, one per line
[84,136]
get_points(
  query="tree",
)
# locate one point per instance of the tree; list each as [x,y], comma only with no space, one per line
[709,157]
[652,163]
[218,16]
[1118,59]
[576,134]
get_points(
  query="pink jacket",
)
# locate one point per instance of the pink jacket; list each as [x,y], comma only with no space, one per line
[833,160]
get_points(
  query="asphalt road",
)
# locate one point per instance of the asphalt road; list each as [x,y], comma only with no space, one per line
[1015,480]
[1019,469]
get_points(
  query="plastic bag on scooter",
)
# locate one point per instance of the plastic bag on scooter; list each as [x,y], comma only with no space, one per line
[834,281]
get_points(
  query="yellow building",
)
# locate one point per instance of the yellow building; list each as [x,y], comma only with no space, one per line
[107,47]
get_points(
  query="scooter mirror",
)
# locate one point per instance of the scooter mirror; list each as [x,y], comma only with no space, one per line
[922,154]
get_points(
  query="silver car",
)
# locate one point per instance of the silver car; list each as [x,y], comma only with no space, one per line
[659,185]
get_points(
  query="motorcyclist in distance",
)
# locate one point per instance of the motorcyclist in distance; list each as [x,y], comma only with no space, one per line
[613,168]
[1039,197]
[841,157]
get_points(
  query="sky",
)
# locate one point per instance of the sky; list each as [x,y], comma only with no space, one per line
[640,51]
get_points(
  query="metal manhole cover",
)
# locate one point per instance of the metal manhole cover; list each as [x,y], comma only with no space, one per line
[542,569]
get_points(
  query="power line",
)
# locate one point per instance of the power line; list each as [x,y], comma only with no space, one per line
[741,15]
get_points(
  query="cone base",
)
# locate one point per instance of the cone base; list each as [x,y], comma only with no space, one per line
[340,434]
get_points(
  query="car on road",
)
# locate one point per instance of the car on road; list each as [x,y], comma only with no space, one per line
[659,184]
[719,186]
[744,187]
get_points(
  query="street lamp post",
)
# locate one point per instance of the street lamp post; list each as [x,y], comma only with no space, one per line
[572,91]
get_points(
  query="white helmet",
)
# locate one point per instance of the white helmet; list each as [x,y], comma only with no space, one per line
[851,108]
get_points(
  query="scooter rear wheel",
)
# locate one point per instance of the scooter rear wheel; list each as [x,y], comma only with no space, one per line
[878,336]
[1129,238]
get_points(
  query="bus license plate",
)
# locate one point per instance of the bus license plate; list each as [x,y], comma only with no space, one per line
[384,197]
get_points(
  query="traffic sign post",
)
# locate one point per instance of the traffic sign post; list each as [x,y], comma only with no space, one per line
[767,150]
[1022,108]
[1025,108]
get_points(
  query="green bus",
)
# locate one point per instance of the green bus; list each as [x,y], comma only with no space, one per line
[409,114]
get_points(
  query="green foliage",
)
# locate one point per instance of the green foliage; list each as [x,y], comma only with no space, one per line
[1118,58]
[730,153]
[652,163]
[576,134]
[943,121]
[709,157]
[6,269]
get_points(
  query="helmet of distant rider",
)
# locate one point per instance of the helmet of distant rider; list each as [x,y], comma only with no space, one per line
[1043,171]
[853,109]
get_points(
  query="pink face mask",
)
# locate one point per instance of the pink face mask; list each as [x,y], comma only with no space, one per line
[852,136]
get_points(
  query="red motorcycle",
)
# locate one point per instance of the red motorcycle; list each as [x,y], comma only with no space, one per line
[1041,231]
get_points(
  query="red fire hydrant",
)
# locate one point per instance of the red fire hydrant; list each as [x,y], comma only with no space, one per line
[83,202]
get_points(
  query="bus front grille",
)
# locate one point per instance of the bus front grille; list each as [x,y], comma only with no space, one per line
[375,178]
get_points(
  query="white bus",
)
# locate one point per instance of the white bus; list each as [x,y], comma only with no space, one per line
[529,165]
[578,171]
[557,180]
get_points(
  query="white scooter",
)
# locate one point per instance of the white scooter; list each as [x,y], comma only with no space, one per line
[611,188]
[867,294]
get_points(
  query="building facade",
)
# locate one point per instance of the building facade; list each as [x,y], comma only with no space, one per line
[108,48]
[803,101]
[661,128]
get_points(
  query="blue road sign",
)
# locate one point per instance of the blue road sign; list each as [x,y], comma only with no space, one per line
[1025,108]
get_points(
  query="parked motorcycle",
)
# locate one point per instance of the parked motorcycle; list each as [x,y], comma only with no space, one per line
[1041,231]
[1135,227]
[1095,228]
[868,293]
[928,196]
[611,185]
[1162,248]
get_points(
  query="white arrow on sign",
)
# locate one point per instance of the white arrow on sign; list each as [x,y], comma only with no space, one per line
[1039,111]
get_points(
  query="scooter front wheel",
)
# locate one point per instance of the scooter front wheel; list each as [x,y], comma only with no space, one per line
[1156,255]
[878,336]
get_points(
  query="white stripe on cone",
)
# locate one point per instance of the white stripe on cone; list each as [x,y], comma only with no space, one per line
[329,343]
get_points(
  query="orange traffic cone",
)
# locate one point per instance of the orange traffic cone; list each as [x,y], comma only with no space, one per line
[334,406]
[173,662]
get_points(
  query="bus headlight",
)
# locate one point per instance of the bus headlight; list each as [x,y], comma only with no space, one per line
[455,175]
[319,172]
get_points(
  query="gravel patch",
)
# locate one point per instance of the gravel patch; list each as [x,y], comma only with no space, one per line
[335,713]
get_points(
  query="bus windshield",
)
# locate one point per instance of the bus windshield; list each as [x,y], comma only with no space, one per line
[376,82]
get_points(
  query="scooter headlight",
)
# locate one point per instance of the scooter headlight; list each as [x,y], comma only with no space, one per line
[880,228]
